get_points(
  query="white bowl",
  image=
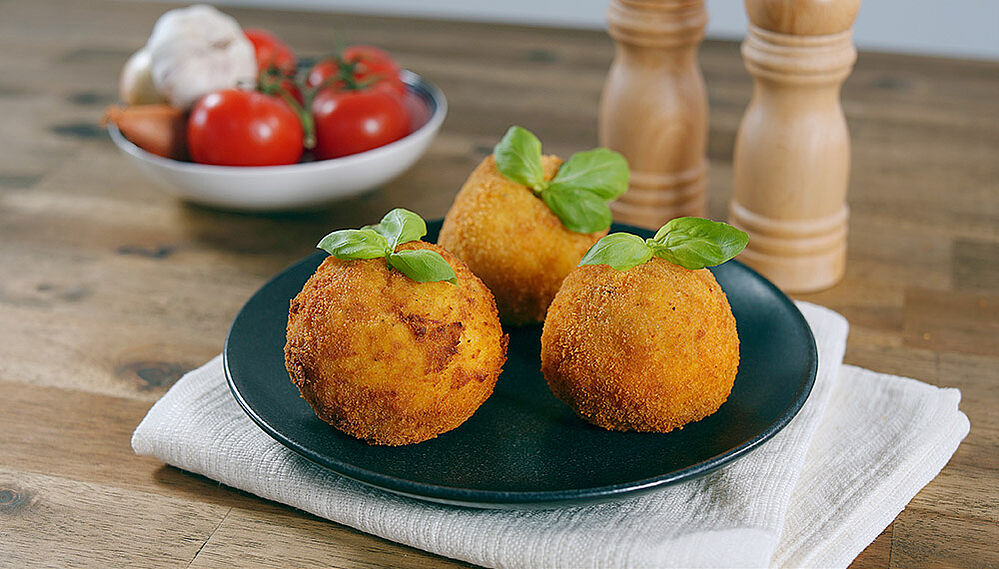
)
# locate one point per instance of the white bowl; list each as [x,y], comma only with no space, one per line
[295,186]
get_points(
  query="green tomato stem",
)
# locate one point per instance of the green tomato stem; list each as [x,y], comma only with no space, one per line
[276,87]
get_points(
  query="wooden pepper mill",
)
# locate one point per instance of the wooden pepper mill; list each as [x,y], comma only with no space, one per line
[792,153]
[654,109]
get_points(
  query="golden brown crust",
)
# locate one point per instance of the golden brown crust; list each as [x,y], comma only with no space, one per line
[512,241]
[648,349]
[389,360]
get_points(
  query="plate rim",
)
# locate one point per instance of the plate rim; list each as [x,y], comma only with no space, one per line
[491,499]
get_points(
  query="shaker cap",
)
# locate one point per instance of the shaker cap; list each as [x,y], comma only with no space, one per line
[803,17]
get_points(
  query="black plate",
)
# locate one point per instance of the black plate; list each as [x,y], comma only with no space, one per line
[524,448]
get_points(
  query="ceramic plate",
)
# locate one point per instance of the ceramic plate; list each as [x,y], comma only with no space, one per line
[524,448]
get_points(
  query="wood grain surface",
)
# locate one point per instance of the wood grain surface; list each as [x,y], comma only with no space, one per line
[110,289]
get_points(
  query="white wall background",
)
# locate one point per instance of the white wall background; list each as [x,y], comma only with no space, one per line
[958,28]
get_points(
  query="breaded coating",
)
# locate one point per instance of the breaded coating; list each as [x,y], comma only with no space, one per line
[389,360]
[512,241]
[648,349]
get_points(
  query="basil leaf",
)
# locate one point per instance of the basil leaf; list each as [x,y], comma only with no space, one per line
[579,210]
[400,226]
[423,265]
[621,251]
[696,243]
[600,171]
[689,252]
[518,158]
[349,244]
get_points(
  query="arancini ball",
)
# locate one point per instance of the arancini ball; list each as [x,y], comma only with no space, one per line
[650,348]
[511,240]
[390,360]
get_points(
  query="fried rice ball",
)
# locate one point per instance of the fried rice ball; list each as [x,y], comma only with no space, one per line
[648,349]
[387,359]
[512,241]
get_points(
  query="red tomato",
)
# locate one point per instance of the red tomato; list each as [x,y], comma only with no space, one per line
[293,90]
[243,128]
[370,64]
[271,52]
[348,122]
[320,72]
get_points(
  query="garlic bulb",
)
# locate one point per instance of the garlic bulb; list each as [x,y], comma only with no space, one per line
[136,84]
[196,50]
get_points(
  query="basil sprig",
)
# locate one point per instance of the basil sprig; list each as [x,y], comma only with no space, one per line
[579,192]
[379,241]
[691,242]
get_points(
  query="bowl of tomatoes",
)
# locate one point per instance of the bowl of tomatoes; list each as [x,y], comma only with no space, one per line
[300,135]
[305,184]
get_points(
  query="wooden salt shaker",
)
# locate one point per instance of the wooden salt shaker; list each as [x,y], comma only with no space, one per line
[792,153]
[654,109]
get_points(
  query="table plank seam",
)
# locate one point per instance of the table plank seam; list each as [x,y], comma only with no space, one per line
[217,526]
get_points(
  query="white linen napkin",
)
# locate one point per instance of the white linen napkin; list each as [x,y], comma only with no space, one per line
[813,496]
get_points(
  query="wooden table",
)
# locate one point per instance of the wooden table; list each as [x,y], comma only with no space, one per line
[110,290]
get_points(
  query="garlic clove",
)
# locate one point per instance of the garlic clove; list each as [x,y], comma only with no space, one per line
[197,50]
[135,87]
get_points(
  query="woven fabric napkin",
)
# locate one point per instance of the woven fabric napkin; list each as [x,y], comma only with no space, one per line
[813,496]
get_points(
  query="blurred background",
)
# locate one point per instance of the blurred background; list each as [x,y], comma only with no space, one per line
[957,28]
